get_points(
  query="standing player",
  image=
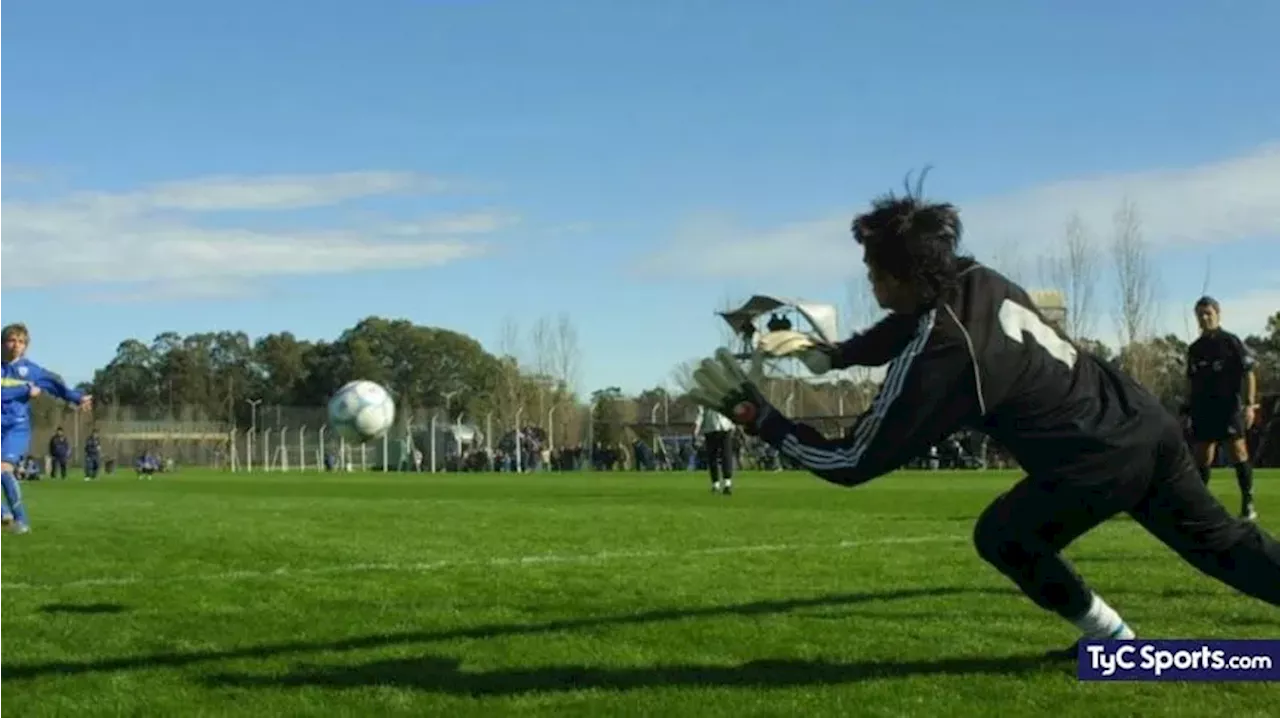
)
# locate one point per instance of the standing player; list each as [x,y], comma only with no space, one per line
[59,454]
[978,354]
[716,430]
[1218,366]
[92,456]
[23,380]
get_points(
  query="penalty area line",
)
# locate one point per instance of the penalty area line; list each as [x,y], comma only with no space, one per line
[429,566]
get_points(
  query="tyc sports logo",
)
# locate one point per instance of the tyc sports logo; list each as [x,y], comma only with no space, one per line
[1179,661]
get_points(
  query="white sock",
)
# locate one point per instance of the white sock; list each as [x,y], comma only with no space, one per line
[1102,622]
[728,483]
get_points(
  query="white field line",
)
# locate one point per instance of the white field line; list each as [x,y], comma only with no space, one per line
[428,566]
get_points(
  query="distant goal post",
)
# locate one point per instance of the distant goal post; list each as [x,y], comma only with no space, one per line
[185,443]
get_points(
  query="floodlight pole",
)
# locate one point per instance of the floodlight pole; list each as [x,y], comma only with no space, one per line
[448,406]
[253,430]
[253,413]
[591,433]
[519,448]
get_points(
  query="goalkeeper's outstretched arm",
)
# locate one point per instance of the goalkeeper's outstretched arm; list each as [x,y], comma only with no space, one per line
[928,393]
[877,345]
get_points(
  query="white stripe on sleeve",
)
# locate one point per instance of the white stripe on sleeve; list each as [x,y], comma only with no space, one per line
[865,434]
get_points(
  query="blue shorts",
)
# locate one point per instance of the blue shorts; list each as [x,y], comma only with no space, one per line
[16,440]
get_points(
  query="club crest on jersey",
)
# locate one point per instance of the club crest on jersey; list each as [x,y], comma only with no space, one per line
[22,371]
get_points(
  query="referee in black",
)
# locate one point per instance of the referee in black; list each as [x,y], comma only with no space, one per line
[1219,366]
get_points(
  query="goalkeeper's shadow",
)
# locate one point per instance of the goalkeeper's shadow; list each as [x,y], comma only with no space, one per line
[14,672]
[436,674]
[179,659]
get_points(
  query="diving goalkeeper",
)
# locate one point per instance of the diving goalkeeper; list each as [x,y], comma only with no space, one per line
[967,349]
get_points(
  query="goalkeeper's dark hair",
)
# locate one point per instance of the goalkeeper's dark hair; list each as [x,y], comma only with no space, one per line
[913,240]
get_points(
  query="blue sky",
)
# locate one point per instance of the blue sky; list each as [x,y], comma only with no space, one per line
[293,165]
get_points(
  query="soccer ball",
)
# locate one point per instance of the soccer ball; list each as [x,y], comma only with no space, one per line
[361,411]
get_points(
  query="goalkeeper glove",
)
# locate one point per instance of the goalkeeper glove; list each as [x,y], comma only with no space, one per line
[815,355]
[720,384]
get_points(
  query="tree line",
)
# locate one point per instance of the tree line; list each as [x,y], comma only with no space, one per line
[216,375]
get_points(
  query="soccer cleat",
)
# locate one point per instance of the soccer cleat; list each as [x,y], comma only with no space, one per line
[728,489]
[1248,512]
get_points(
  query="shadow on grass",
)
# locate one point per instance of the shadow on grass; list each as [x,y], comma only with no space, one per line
[177,659]
[87,609]
[442,675]
[26,671]
[1247,622]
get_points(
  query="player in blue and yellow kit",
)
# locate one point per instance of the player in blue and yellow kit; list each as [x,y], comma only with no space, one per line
[23,380]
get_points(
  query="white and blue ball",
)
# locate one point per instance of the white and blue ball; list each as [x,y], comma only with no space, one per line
[361,411]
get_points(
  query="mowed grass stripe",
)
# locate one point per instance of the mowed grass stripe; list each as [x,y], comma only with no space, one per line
[496,562]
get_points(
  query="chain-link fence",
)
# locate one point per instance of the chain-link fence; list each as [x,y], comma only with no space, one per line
[287,438]
[293,438]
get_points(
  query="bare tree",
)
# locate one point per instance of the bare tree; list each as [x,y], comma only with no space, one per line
[509,338]
[507,398]
[541,359]
[1075,272]
[1135,287]
[1007,259]
[567,354]
[564,367]
[682,375]
[542,338]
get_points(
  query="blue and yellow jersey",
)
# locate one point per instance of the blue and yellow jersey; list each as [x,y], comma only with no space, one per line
[15,389]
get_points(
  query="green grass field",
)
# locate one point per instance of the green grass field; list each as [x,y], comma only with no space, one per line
[594,595]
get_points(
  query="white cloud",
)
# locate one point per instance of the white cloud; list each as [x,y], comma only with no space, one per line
[462,224]
[1236,198]
[1233,199]
[571,228]
[210,194]
[715,247]
[22,174]
[147,235]
[185,290]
